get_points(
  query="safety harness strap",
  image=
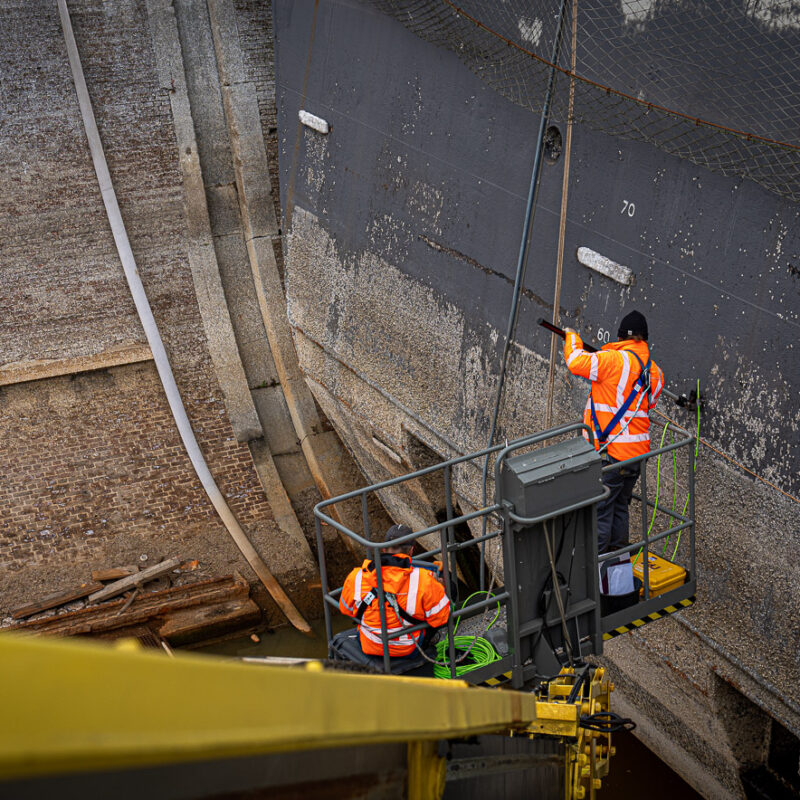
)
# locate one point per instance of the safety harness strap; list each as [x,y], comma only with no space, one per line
[372,595]
[642,382]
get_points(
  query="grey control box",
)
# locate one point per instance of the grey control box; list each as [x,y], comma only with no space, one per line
[551,478]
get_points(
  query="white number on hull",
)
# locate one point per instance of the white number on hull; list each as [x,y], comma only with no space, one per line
[603,335]
[628,208]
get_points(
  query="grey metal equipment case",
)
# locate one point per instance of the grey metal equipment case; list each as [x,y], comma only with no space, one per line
[552,478]
[538,489]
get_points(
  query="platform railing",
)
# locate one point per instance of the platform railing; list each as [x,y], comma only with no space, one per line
[684,523]
[680,524]
[448,547]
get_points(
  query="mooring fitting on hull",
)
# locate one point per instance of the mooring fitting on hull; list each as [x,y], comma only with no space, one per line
[605,266]
[694,401]
[312,121]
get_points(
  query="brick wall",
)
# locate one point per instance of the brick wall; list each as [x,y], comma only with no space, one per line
[94,471]
[95,474]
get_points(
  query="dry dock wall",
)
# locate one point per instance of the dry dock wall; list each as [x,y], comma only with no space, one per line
[94,472]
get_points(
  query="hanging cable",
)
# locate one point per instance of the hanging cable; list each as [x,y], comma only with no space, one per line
[522,261]
[675,483]
[674,486]
[154,336]
[557,592]
[694,469]
[562,225]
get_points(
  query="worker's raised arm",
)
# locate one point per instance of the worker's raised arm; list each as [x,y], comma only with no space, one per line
[579,361]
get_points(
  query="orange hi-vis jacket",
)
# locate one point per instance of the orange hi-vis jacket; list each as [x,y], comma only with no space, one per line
[418,593]
[613,372]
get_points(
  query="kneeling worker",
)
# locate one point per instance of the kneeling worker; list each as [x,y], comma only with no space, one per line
[626,384]
[413,595]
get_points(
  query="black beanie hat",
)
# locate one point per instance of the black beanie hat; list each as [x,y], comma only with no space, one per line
[633,324]
[397,532]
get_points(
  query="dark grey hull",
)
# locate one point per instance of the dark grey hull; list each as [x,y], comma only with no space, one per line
[419,140]
[406,221]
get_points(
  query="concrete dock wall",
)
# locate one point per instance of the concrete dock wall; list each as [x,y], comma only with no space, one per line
[95,473]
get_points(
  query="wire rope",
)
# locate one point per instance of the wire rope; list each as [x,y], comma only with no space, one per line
[522,264]
[562,224]
[557,593]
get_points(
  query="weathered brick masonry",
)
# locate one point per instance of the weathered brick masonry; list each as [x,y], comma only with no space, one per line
[93,469]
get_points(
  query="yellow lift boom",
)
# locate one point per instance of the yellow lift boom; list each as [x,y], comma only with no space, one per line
[77,708]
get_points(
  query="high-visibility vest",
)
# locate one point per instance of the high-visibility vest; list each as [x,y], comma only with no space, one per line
[415,592]
[615,372]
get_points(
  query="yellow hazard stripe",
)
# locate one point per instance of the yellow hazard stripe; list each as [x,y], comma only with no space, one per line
[638,623]
[506,676]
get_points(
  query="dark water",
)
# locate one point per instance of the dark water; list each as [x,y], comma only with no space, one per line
[284,642]
[635,770]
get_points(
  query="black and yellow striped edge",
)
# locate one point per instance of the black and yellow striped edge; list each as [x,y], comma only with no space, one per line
[631,626]
[497,680]
[638,623]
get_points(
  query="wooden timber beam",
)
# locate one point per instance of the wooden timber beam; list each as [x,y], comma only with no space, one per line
[40,368]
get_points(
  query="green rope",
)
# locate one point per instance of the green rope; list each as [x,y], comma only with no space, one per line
[674,482]
[658,489]
[481,651]
[674,490]
[658,478]
[694,467]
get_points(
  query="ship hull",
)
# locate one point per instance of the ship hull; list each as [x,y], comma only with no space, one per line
[405,223]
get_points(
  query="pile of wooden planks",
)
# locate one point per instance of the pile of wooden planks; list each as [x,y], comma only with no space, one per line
[178,615]
[124,579]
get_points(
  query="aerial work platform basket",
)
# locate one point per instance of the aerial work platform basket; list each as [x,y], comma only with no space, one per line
[546,490]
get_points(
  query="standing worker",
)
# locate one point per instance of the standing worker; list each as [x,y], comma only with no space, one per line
[626,384]
[413,595]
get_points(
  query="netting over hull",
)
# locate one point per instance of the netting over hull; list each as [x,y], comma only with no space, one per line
[717,83]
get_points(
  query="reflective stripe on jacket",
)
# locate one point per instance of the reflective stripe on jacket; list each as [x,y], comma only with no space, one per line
[613,372]
[417,591]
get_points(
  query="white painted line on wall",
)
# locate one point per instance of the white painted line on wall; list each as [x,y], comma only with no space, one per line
[316,123]
[605,266]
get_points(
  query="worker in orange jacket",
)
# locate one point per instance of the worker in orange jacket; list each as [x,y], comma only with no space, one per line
[626,384]
[413,594]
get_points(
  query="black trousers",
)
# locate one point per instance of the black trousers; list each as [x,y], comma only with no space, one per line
[612,513]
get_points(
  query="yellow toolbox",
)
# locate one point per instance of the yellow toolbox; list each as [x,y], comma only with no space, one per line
[664,575]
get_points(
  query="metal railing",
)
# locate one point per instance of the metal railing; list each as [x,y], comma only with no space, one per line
[448,546]
[684,523]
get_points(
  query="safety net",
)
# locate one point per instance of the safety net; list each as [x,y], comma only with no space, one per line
[717,83]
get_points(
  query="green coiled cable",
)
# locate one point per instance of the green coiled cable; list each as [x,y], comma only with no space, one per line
[481,651]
